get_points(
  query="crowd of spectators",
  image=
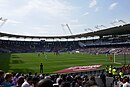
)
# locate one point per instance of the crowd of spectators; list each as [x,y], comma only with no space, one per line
[7,46]
[42,80]
[108,50]
[60,80]
[33,46]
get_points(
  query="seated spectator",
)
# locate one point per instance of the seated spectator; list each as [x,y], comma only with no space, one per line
[65,84]
[15,78]
[91,83]
[85,79]
[78,81]
[92,78]
[27,82]
[20,81]
[35,81]
[45,83]
[126,84]
[120,82]
[1,77]
[8,80]
[58,82]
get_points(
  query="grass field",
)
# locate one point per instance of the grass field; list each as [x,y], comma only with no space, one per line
[25,62]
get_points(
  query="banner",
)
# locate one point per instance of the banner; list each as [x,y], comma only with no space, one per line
[79,68]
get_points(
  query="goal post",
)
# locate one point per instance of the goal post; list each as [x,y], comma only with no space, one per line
[116,59]
[121,58]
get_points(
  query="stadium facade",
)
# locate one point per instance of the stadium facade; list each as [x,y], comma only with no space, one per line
[111,37]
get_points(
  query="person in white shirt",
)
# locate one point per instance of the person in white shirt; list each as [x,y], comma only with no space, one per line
[120,83]
[127,84]
[27,82]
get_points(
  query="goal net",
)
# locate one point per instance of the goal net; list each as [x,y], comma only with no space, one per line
[121,58]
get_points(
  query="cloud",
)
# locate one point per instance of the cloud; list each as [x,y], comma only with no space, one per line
[86,13]
[51,7]
[3,3]
[92,3]
[74,21]
[113,5]
[13,21]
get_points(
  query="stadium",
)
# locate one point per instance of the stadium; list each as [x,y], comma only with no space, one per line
[26,56]
[68,56]
[113,41]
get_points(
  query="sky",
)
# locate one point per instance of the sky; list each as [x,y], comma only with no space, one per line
[49,17]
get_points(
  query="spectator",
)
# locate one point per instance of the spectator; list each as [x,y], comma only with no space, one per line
[35,81]
[45,83]
[77,82]
[8,80]
[58,82]
[66,84]
[120,82]
[1,77]
[27,82]
[85,79]
[126,84]
[103,78]
[15,78]
[91,82]
[20,81]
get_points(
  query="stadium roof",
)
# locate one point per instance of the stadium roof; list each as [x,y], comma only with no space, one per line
[119,30]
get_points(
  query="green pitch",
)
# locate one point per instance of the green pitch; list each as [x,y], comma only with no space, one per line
[29,62]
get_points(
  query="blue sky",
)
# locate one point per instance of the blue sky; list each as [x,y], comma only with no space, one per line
[48,17]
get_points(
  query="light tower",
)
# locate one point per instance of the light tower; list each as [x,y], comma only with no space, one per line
[2,21]
[114,23]
[67,26]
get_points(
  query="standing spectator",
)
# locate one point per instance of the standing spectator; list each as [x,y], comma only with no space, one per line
[107,69]
[121,74]
[103,78]
[115,77]
[41,68]
[110,71]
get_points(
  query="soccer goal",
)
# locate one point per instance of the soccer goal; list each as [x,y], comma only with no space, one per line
[121,58]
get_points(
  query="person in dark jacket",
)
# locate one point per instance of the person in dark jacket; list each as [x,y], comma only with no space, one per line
[103,78]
